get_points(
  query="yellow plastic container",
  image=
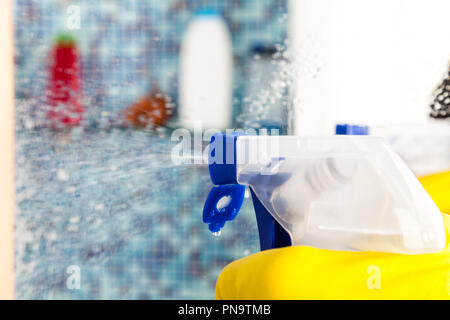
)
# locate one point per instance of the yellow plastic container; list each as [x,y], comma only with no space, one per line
[438,187]
[301,272]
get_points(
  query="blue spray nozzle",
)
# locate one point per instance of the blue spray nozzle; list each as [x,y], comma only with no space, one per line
[225,200]
[222,158]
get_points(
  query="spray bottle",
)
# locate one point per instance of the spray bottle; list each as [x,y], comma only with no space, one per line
[339,192]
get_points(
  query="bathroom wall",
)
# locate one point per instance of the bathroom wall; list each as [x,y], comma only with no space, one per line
[370,62]
[129,46]
[102,212]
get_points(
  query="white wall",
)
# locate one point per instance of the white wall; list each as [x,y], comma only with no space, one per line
[378,61]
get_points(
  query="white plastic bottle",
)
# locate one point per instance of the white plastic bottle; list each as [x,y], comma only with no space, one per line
[206,65]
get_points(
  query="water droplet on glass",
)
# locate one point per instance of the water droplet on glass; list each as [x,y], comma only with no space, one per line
[63,175]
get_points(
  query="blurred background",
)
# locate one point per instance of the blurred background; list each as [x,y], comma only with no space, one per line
[100,86]
[130,48]
[105,196]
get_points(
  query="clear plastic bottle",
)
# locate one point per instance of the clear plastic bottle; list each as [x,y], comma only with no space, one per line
[340,193]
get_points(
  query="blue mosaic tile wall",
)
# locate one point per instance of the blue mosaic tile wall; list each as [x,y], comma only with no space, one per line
[116,208]
[107,200]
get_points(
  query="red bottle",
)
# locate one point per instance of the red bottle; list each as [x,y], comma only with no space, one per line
[64,87]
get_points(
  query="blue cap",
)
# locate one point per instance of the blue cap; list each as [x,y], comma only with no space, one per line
[207,12]
[263,48]
[348,129]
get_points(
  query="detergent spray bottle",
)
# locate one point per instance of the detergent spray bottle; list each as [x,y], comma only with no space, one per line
[339,192]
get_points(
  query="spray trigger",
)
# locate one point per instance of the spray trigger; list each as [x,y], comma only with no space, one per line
[222,204]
